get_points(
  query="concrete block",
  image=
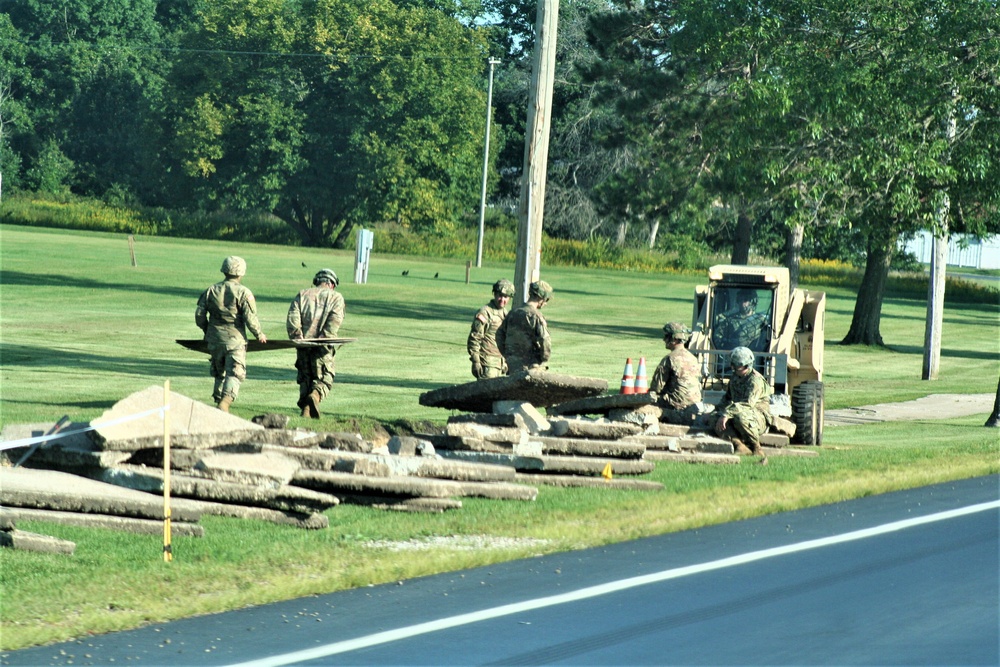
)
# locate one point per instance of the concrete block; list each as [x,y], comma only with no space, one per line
[534,421]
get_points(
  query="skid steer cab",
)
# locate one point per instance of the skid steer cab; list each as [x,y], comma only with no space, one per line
[755,307]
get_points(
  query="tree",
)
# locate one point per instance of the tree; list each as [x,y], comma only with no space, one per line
[97,68]
[333,113]
[827,112]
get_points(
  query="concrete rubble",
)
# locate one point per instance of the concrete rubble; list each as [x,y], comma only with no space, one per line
[497,444]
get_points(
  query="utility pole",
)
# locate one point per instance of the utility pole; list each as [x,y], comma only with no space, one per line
[536,151]
[486,166]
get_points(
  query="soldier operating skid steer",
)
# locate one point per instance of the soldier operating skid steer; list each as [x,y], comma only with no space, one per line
[754,307]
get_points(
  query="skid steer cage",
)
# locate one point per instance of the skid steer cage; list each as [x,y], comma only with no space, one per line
[716,371]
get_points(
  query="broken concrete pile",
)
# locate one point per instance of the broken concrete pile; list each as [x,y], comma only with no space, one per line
[110,472]
[585,434]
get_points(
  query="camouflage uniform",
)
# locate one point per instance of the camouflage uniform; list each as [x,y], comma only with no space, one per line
[677,385]
[482,343]
[523,339]
[225,311]
[747,406]
[316,312]
[739,330]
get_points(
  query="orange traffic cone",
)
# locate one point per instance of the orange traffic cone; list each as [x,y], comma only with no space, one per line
[641,385]
[628,380]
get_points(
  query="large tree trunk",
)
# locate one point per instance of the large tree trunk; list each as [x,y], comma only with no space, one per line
[654,230]
[868,307]
[793,253]
[741,244]
[622,233]
[994,420]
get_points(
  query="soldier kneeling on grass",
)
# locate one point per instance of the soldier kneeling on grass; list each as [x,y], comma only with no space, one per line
[744,413]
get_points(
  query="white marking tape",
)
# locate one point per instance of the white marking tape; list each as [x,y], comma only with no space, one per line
[602,589]
[11,444]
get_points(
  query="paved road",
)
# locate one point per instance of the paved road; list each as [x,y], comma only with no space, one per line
[906,578]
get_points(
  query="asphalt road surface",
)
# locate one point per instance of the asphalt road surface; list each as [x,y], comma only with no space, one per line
[908,578]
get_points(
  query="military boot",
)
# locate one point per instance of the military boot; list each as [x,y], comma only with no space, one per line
[225,403]
[740,448]
[755,449]
[306,412]
[312,404]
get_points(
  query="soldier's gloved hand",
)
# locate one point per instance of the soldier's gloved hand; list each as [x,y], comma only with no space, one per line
[477,370]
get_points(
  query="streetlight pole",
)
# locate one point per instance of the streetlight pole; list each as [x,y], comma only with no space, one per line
[486,166]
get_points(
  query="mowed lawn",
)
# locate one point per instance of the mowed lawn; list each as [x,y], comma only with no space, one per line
[81,328]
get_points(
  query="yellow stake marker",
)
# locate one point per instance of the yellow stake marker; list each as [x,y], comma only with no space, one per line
[167,553]
[606,473]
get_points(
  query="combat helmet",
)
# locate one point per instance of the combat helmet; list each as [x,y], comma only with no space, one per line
[677,331]
[234,266]
[503,287]
[326,276]
[741,356]
[540,290]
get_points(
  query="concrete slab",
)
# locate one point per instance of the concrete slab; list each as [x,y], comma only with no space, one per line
[268,470]
[601,430]
[25,541]
[192,424]
[601,404]
[567,465]
[287,498]
[48,489]
[501,434]
[124,524]
[540,388]
[587,447]
[534,421]
[306,520]
[71,450]
[511,419]
[345,485]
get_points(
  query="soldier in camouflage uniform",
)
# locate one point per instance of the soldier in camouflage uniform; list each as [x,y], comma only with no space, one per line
[523,338]
[744,413]
[316,312]
[743,327]
[677,379]
[225,311]
[487,362]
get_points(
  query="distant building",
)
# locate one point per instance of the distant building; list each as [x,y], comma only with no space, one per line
[964,250]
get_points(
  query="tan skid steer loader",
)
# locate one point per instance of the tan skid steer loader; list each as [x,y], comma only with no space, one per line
[754,307]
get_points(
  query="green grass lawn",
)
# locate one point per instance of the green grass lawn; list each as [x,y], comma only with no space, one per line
[81,329]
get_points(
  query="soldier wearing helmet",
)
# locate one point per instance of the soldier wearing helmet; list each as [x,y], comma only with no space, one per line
[523,338]
[487,362]
[224,312]
[742,325]
[315,312]
[677,379]
[744,413]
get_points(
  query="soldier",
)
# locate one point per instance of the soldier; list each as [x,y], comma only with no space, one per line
[316,312]
[487,362]
[744,413]
[523,338]
[743,327]
[677,379]
[225,311]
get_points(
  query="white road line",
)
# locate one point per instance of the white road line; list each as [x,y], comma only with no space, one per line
[603,589]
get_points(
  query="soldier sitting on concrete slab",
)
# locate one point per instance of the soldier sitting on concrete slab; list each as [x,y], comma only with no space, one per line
[744,413]
[677,379]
